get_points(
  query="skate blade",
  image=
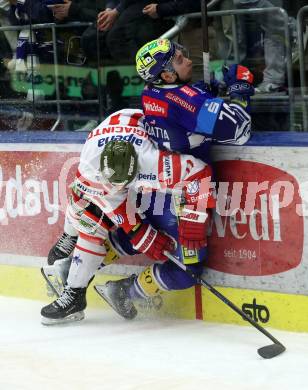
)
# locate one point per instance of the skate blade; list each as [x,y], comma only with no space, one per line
[101,292]
[78,316]
[54,286]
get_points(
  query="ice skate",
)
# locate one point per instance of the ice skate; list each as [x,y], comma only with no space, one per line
[115,293]
[67,308]
[62,248]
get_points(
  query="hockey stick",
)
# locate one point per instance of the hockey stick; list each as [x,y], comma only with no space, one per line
[205,43]
[49,283]
[267,352]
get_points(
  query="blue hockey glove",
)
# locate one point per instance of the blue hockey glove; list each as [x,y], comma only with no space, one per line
[239,81]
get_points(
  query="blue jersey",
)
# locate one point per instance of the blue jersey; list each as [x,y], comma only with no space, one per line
[187,119]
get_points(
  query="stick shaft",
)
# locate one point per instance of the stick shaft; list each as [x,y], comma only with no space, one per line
[205,41]
[205,29]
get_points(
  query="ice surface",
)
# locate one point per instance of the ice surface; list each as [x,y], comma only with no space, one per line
[106,352]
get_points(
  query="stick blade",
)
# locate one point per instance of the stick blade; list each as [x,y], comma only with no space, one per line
[270,351]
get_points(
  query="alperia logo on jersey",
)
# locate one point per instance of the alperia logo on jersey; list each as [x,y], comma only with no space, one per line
[147,176]
[256,229]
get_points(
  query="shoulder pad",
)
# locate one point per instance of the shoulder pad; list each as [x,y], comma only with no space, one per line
[208,115]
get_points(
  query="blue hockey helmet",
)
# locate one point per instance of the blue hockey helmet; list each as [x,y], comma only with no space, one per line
[155,57]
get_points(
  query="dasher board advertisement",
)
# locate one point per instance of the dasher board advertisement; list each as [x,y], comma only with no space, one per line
[256,238]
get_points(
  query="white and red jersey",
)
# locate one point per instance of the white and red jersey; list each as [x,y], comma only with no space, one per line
[157,169]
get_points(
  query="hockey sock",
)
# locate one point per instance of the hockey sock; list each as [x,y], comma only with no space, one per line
[68,226]
[146,284]
[163,277]
[88,255]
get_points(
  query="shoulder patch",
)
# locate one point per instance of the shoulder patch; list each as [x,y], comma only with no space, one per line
[208,115]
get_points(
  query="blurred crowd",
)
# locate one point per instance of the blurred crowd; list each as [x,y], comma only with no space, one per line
[106,34]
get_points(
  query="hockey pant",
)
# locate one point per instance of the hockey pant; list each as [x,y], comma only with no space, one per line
[92,227]
[90,249]
[160,212]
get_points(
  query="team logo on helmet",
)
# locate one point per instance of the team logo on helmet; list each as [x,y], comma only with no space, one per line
[154,57]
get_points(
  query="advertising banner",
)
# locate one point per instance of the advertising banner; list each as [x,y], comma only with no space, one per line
[33,195]
[257,233]
[256,238]
[34,188]
[73,78]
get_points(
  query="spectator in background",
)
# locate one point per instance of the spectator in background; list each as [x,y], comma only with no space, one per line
[129,28]
[76,10]
[165,8]
[107,17]
[274,44]
[292,8]
[191,35]
[8,39]
[30,43]
[223,33]
[92,35]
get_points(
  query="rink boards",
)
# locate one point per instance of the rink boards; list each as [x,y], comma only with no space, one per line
[258,249]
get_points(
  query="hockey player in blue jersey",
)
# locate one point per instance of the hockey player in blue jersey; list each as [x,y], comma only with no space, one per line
[187,117]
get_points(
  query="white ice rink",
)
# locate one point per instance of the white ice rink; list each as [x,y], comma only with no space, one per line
[106,352]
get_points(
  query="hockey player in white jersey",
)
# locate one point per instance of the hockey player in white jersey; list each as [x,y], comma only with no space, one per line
[117,161]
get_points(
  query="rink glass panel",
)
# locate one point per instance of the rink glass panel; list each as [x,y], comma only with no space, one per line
[56,88]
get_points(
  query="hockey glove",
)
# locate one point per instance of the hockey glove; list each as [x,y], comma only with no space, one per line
[152,242]
[239,81]
[193,229]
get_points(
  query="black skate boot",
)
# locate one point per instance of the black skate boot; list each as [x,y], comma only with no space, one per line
[62,248]
[115,293]
[67,308]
